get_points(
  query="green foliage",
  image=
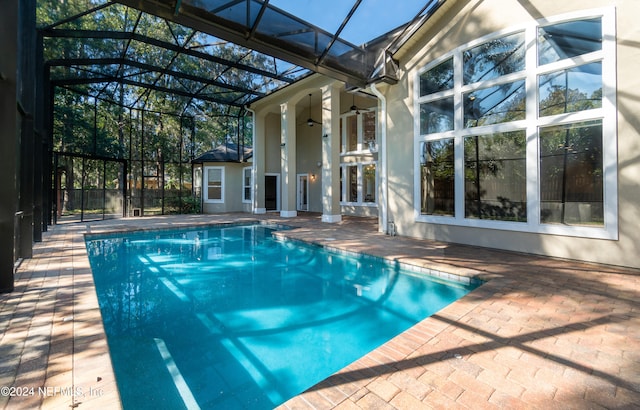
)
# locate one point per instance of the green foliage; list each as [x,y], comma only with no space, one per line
[182,205]
[156,132]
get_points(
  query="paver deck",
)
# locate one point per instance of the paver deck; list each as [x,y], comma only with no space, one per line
[540,333]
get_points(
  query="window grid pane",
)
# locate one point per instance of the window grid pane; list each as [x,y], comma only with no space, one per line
[495,58]
[437,177]
[352,133]
[495,176]
[352,184]
[369,183]
[571,174]
[436,116]
[494,105]
[572,90]
[569,39]
[439,78]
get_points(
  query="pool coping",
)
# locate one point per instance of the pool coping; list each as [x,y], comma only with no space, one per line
[55,304]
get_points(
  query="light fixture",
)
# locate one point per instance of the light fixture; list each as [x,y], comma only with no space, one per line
[313,177]
[354,108]
[310,121]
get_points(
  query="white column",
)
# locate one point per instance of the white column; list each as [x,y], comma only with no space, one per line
[288,159]
[259,159]
[331,211]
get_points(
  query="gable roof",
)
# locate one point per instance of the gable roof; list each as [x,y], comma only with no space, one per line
[227,152]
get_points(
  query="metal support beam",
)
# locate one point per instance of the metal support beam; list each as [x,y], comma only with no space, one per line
[26,75]
[118,35]
[9,141]
[76,81]
[148,67]
[208,22]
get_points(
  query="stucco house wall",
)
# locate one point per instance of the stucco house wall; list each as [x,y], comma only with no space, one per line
[233,189]
[461,22]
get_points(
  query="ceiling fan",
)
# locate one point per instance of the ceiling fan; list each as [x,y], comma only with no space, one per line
[354,108]
[310,121]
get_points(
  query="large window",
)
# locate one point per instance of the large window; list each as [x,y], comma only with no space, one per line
[214,184]
[517,130]
[247,182]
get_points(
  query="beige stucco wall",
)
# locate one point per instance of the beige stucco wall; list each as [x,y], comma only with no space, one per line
[232,189]
[466,20]
[309,139]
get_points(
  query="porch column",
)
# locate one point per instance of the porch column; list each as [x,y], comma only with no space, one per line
[331,211]
[259,158]
[288,159]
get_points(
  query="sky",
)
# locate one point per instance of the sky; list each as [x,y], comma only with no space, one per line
[371,19]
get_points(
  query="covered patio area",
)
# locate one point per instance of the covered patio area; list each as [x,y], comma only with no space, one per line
[540,333]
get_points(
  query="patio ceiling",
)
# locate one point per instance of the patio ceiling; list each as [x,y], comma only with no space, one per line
[215,55]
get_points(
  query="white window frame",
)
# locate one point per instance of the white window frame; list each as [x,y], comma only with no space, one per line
[360,183]
[246,200]
[205,185]
[361,146]
[607,113]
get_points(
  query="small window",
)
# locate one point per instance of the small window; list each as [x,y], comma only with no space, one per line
[369,128]
[569,39]
[571,174]
[495,176]
[437,177]
[439,78]
[352,183]
[571,90]
[214,184]
[436,116]
[246,184]
[494,105]
[352,133]
[495,58]
[369,183]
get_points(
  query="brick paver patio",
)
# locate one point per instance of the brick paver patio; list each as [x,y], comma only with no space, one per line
[540,333]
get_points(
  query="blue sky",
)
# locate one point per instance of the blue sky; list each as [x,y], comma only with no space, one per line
[371,19]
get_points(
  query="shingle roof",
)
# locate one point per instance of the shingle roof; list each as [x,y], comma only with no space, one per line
[225,153]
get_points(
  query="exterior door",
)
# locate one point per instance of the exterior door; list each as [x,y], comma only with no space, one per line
[303,192]
[271,190]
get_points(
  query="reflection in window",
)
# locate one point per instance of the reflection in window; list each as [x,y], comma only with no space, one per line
[569,39]
[246,184]
[494,58]
[369,128]
[439,78]
[352,133]
[495,105]
[369,183]
[436,116]
[495,176]
[437,177]
[352,183]
[571,174]
[571,90]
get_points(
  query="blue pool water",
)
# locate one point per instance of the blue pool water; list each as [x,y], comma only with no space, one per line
[230,317]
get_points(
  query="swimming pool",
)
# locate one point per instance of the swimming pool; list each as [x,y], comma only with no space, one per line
[231,317]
